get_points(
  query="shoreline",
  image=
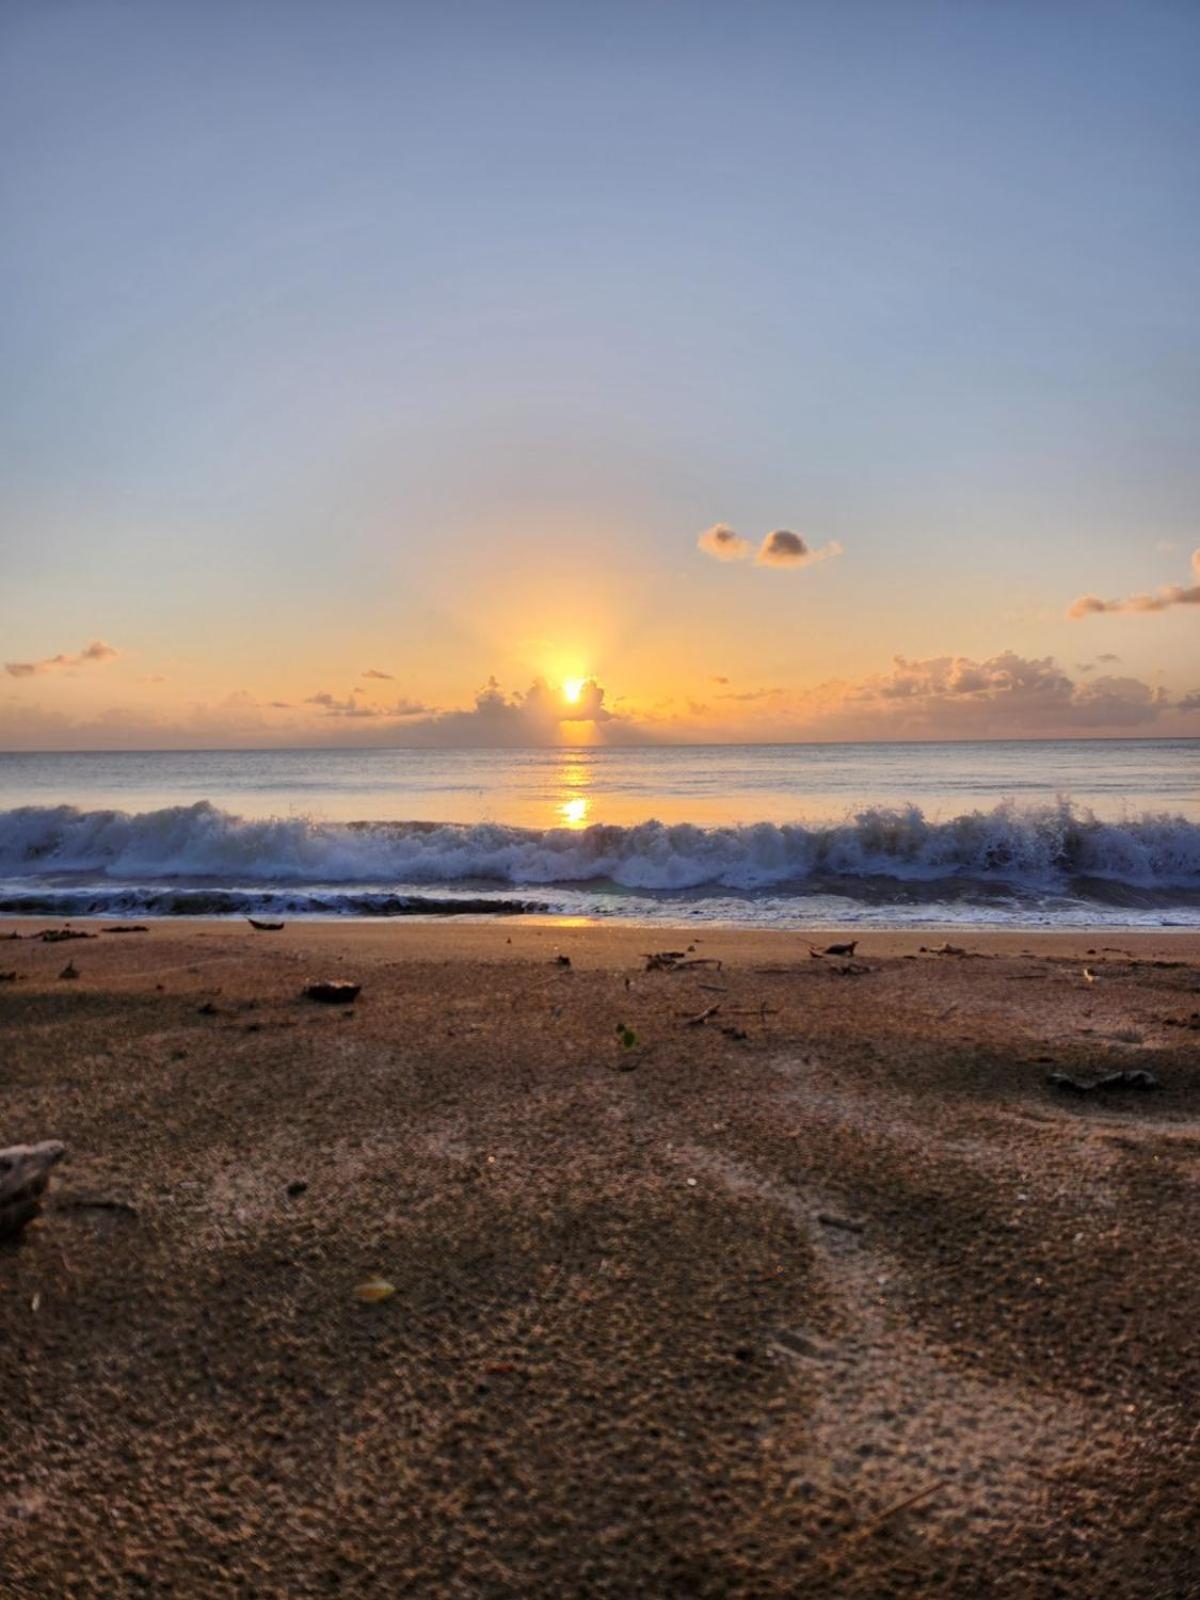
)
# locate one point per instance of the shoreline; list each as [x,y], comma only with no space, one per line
[820,1286]
[906,938]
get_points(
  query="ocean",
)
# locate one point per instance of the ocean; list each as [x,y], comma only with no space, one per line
[1017,834]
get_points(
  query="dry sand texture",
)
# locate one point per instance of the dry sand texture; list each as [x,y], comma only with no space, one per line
[854,1305]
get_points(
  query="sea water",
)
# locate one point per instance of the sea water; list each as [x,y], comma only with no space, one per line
[1051,833]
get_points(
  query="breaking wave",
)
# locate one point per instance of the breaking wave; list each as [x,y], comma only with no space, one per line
[900,853]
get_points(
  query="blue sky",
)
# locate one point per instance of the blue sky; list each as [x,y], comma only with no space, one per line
[437,334]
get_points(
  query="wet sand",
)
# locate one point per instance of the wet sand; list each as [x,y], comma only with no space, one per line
[830,1293]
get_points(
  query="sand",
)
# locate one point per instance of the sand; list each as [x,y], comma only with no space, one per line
[846,1301]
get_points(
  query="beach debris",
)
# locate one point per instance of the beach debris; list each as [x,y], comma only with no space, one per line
[1137,1078]
[627,1036]
[69,971]
[126,927]
[677,961]
[943,950]
[830,1219]
[1088,975]
[24,1174]
[561,961]
[13,935]
[900,1505]
[702,1017]
[738,1035]
[1168,1022]
[373,1290]
[8,977]
[208,1009]
[333,993]
[847,949]
[297,1186]
[797,1343]
[94,1202]
[265,927]
[60,935]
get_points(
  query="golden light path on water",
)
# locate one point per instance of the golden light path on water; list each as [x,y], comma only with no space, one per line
[573,781]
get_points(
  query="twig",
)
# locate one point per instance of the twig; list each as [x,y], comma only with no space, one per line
[900,1505]
[702,1017]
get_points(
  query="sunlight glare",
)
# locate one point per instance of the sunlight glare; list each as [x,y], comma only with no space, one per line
[572,688]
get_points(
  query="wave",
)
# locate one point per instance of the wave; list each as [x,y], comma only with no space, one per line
[1054,848]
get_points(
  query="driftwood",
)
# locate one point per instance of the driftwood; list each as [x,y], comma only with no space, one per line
[336,994]
[1137,1078]
[265,927]
[24,1174]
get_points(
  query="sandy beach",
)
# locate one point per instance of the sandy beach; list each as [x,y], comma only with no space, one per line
[812,1283]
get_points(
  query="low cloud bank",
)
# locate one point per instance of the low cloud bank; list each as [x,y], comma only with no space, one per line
[542,715]
[1173,594]
[1006,696]
[92,653]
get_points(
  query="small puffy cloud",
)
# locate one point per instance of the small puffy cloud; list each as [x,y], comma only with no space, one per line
[723,543]
[1173,594]
[783,548]
[96,651]
[374,672]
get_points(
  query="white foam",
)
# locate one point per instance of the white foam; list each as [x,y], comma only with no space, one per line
[1039,848]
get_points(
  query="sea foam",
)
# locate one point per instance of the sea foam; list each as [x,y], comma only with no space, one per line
[1045,848]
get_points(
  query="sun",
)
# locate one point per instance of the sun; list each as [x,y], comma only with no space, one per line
[572,688]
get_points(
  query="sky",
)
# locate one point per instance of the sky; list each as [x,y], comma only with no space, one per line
[769,371]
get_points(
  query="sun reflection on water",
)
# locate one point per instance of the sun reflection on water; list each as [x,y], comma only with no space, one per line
[574,781]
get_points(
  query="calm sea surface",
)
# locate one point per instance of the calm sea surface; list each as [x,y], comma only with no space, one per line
[1032,833]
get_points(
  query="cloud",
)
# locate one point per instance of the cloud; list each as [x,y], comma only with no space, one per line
[723,543]
[780,548]
[1005,696]
[373,672]
[539,716]
[783,548]
[353,707]
[1162,599]
[96,651]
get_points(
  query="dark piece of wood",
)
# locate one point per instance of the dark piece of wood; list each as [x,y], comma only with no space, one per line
[1137,1078]
[265,927]
[24,1174]
[334,994]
